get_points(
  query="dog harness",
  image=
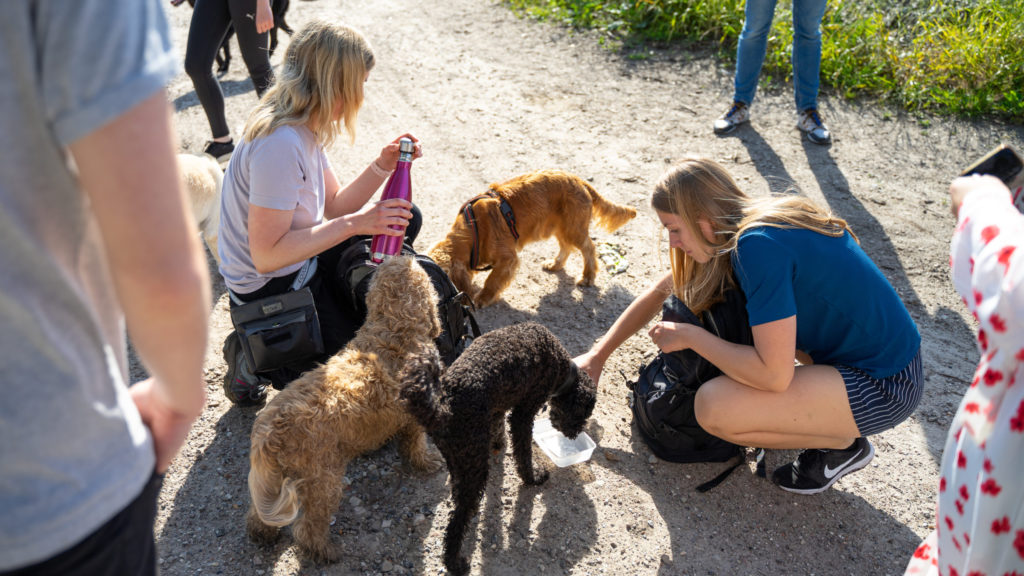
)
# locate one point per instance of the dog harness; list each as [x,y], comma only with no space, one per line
[467,213]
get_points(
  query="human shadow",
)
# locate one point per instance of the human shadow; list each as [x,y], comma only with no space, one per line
[748,526]
[228,87]
[370,527]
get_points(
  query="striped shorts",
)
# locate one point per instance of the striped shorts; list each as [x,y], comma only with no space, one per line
[879,404]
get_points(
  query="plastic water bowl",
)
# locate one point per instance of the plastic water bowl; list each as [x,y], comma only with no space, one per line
[562,451]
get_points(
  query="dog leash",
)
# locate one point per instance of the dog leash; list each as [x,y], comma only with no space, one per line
[467,213]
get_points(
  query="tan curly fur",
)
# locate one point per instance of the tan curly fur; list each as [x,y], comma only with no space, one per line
[546,203]
[305,437]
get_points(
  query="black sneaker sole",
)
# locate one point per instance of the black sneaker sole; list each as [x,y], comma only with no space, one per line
[851,468]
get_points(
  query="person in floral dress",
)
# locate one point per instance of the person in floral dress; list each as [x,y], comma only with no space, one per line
[979,527]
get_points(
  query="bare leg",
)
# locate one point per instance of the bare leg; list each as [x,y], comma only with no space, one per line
[814,412]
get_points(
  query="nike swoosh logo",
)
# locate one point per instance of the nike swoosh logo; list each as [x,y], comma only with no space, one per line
[830,472]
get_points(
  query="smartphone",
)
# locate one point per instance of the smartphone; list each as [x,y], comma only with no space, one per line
[1005,164]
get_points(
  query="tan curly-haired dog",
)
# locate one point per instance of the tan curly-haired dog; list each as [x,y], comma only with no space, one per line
[492,228]
[305,437]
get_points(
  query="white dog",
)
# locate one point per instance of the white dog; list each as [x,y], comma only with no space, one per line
[203,178]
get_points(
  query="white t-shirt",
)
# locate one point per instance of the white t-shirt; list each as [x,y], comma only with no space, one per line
[283,171]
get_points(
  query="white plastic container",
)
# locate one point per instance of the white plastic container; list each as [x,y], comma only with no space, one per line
[561,450]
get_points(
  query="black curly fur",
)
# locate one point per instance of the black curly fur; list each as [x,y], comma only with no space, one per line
[514,370]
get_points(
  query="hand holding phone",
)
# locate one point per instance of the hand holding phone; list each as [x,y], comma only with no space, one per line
[1003,163]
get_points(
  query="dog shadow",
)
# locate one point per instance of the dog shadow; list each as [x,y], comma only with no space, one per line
[596,308]
[368,525]
[524,544]
[766,526]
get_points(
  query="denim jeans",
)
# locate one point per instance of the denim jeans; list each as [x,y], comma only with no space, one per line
[753,44]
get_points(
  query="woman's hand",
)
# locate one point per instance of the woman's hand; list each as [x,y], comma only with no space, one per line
[672,336]
[378,217]
[590,363]
[264,16]
[388,159]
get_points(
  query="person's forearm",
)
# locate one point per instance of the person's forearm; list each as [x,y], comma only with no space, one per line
[300,245]
[741,363]
[152,247]
[352,197]
[644,308]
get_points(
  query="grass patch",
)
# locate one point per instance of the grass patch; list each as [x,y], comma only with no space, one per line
[958,57]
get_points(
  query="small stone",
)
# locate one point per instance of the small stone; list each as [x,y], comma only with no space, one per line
[386,566]
[418,519]
[611,456]
[385,524]
[355,501]
[652,459]
[256,561]
[666,560]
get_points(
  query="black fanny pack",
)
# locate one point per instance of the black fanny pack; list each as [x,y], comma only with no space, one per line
[278,330]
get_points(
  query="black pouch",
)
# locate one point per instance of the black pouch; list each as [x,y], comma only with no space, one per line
[278,330]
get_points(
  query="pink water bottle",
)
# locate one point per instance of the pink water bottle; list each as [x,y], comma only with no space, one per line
[399,186]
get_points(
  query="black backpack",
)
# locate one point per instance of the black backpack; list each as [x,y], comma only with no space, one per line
[458,325]
[663,395]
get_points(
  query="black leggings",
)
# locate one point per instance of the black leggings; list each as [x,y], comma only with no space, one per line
[210,22]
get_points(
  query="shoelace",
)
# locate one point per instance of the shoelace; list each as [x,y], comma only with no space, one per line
[735,108]
[813,115]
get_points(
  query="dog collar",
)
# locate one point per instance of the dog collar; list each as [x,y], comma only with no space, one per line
[467,213]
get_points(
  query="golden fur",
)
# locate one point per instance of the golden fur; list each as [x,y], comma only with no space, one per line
[546,203]
[304,438]
[203,179]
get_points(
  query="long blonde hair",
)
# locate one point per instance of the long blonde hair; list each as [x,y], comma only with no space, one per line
[324,67]
[701,189]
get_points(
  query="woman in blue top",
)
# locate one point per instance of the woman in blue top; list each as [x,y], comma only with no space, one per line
[813,296]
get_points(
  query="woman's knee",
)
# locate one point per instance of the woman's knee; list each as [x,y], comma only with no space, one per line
[709,407]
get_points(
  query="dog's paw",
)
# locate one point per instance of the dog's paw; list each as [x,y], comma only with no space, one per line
[432,461]
[539,477]
[260,533]
[322,554]
[459,567]
[553,266]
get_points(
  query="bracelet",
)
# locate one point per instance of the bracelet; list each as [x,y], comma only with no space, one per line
[378,170]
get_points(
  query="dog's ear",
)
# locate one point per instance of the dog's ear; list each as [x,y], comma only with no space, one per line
[420,379]
[571,410]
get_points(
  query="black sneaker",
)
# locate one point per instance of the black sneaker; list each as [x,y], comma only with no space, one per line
[221,151]
[241,386]
[815,470]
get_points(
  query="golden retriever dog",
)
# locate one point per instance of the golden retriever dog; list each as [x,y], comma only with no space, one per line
[492,228]
[204,178]
[309,432]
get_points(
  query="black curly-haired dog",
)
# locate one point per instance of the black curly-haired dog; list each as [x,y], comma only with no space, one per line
[516,370]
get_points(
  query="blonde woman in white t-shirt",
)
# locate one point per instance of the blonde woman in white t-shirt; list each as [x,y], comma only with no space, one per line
[286,217]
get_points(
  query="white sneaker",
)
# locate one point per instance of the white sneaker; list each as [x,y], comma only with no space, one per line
[738,114]
[810,123]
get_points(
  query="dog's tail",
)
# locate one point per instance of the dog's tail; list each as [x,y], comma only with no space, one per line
[608,215]
[421,379]
[274,497]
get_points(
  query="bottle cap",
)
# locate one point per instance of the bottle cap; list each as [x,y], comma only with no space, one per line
[405,146]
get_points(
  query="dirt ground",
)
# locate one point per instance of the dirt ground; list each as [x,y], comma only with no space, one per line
[491,96]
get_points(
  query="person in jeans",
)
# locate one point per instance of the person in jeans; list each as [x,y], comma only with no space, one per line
[211,19]
[812,295]
[979,524]
[91,242]
[750,53]
[285,216]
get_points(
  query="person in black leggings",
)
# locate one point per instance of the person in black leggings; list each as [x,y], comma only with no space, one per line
[211,20]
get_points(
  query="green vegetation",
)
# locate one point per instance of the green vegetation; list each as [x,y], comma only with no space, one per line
[961,57]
